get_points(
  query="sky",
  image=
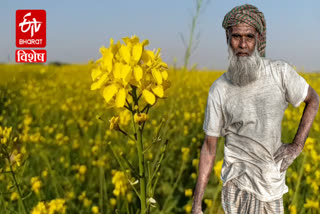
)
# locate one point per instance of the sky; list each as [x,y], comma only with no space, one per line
[77,29]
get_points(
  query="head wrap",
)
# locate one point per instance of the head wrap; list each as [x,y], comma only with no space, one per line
[250,15]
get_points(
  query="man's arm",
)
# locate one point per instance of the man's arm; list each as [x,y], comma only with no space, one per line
[289,152]
[207,156]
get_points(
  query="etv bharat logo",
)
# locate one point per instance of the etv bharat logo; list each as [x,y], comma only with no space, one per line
[31,28]
[34,24]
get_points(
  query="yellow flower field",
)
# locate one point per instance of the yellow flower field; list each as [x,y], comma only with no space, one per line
[55,133]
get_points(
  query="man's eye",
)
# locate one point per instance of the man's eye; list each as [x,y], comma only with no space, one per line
[251,36]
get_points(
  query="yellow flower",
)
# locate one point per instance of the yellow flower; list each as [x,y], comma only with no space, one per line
[95,210]
[57,206]
[124,117]
[185,153]
[195,162]
[188,192]
[307,167]
[87,202]
[16,158]
[194,176]
[14,196]
[217,168]
[40,208]
[315,187]
[129,197]
[113,202]
[36,184]
[309,145]
[82,196]
[140,117]
[5,134]
[158,90]
[82,170]
[293,209]
[114,123]
[123,66]
[188,208]
[208,202]
[149,97]
[294,175]
[44,173]
[311,204]
[69,195]
[120,183]
[317,173]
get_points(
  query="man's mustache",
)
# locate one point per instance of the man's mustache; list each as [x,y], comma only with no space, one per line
[242,53]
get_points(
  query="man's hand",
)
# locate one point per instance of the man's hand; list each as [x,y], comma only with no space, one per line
[287,152]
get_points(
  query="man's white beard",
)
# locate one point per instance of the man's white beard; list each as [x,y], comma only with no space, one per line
[243,70]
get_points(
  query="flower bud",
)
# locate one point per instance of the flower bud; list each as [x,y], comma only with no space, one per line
[114,123]
[140,117]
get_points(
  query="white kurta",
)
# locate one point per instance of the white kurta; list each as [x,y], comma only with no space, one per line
[250,119]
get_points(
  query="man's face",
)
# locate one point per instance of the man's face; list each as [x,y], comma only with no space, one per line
[243,39]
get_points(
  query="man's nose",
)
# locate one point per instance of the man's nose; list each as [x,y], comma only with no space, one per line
[243,43]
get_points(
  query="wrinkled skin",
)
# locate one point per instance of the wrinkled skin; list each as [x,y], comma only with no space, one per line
[243,38]
[289,152]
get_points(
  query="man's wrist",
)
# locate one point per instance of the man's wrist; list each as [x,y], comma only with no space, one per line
[297,147]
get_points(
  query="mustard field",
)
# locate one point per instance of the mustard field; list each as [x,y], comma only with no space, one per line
[61,151]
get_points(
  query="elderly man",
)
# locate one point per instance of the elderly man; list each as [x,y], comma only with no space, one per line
[246,106]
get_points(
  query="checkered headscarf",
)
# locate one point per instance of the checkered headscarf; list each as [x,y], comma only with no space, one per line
[250,15]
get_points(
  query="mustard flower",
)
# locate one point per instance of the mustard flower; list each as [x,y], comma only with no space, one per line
[188,208]
[114,123]
[14,196]
[293,209]
[185,153]
[311,204]
[188,192]
[120,183]
[129,64]
[40,208]
[140,117]
[208,202]
[36,184]
[95,210]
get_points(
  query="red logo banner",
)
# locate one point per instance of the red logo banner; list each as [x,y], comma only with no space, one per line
[31,56]
[31,28]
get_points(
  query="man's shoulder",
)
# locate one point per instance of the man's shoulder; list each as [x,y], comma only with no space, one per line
[277,68]
[219,84]
[275,63]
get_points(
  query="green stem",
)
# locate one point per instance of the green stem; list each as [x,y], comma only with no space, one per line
[52,173]
[175,185]
[141,171]
[17,187]
[127,205]
[122,166]
[155,184]
[193,26]
[299,180]
[101,178]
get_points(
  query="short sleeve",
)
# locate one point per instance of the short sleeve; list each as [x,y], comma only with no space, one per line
[213,120]
[295,86]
